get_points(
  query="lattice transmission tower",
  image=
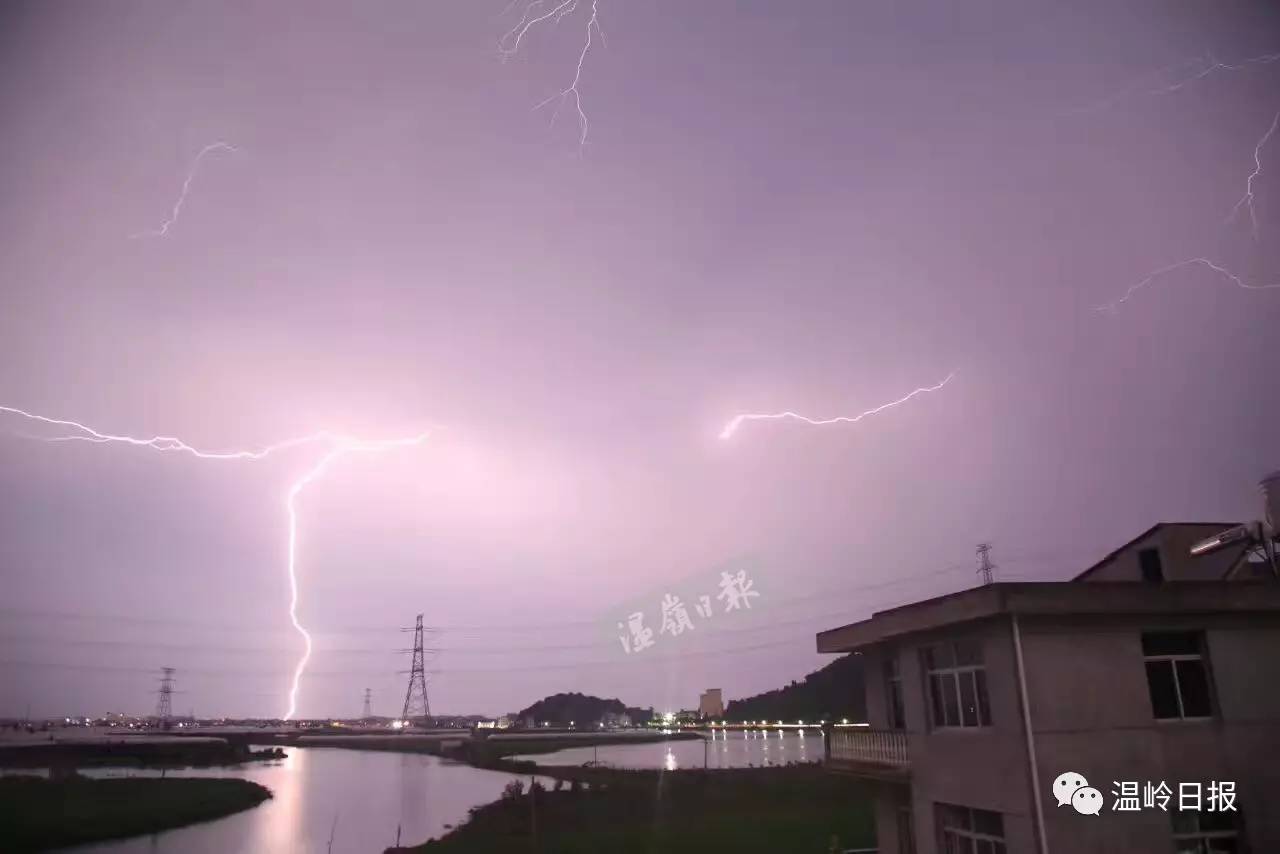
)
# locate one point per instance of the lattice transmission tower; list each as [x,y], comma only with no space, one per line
[416,705]
[164,703]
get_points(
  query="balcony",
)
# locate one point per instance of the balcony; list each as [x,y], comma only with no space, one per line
[879,753]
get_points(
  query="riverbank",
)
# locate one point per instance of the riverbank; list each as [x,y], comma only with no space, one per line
[38,814]
[134,751]
[765,810]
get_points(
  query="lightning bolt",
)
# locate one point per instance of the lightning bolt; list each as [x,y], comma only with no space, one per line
[338,446]
[1246,201]
[509,46]
[1114,305]
[1204,67]
[186,188]
[1213,65]
[736,422]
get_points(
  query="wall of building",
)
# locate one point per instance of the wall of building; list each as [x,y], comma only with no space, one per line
[1091,712]
[982,768]
[1173,542]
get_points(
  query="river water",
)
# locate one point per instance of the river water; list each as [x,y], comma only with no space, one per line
[724,749]
[371,794]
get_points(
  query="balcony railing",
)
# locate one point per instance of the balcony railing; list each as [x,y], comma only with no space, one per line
[877,748]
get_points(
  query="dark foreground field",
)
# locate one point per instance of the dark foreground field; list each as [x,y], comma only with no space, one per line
[38,814]
[795,809]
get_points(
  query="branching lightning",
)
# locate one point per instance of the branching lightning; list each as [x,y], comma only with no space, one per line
[338,445]
[509,46]
[1212,65]
[186,188]
[1246,201]
[736,422]
[1114,305]
[1182,74]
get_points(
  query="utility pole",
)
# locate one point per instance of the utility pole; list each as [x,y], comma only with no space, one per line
[415,698]
[984,555]
[164,705]
[368,706]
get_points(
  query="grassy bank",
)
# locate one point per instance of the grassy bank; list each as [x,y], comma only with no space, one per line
[38,814]
[793,809]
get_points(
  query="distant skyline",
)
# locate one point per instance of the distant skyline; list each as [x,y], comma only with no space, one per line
[236,224]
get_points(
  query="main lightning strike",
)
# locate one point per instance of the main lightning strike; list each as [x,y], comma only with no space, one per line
[1246,201]
[339,445]
[186,188]
[736,422]
[1113,306]
[509,46]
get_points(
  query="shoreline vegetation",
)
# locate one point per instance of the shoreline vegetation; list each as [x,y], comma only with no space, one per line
[766,810]
[132,752]
[37,814]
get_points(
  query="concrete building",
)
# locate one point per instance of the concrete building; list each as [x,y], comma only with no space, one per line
[979,700]
[711,704]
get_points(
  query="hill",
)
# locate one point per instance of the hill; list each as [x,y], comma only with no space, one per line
[834,692]
[580,709]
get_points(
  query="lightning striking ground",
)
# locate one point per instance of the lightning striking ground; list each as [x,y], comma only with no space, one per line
[1114,305]
[1246,201]
[509,46]
[338,446]
[186,188]
[736,422]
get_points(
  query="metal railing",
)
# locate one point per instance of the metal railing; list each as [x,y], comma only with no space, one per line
[873,746]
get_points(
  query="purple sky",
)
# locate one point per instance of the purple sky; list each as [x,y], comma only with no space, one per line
[815,206]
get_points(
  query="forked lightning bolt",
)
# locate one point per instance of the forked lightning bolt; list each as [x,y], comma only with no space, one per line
[1246,201]
[337,445]
[509,46]
[736,422]
[1114,305]
[186,188]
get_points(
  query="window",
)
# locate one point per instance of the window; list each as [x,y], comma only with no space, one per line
[1205,832]
[1152,569]
[957,685]
[893,692]
[1177,676]
[968,831]
[906,832]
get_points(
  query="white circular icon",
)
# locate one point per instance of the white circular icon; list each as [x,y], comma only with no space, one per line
[1066,784]
[1087,800]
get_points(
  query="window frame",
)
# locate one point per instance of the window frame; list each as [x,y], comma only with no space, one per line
[950,679]
[950,836]
[895,702]
[1202,836]
[1171,660]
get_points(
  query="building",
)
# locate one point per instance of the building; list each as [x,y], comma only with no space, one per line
[978,701]
[711,704]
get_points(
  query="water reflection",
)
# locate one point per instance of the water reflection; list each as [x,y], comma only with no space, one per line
[719,749]
[372,795]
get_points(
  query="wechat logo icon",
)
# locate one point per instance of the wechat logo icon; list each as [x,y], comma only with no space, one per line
[1072,788]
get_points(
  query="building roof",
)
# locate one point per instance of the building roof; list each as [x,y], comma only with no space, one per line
[1210,527]
[1054,598]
